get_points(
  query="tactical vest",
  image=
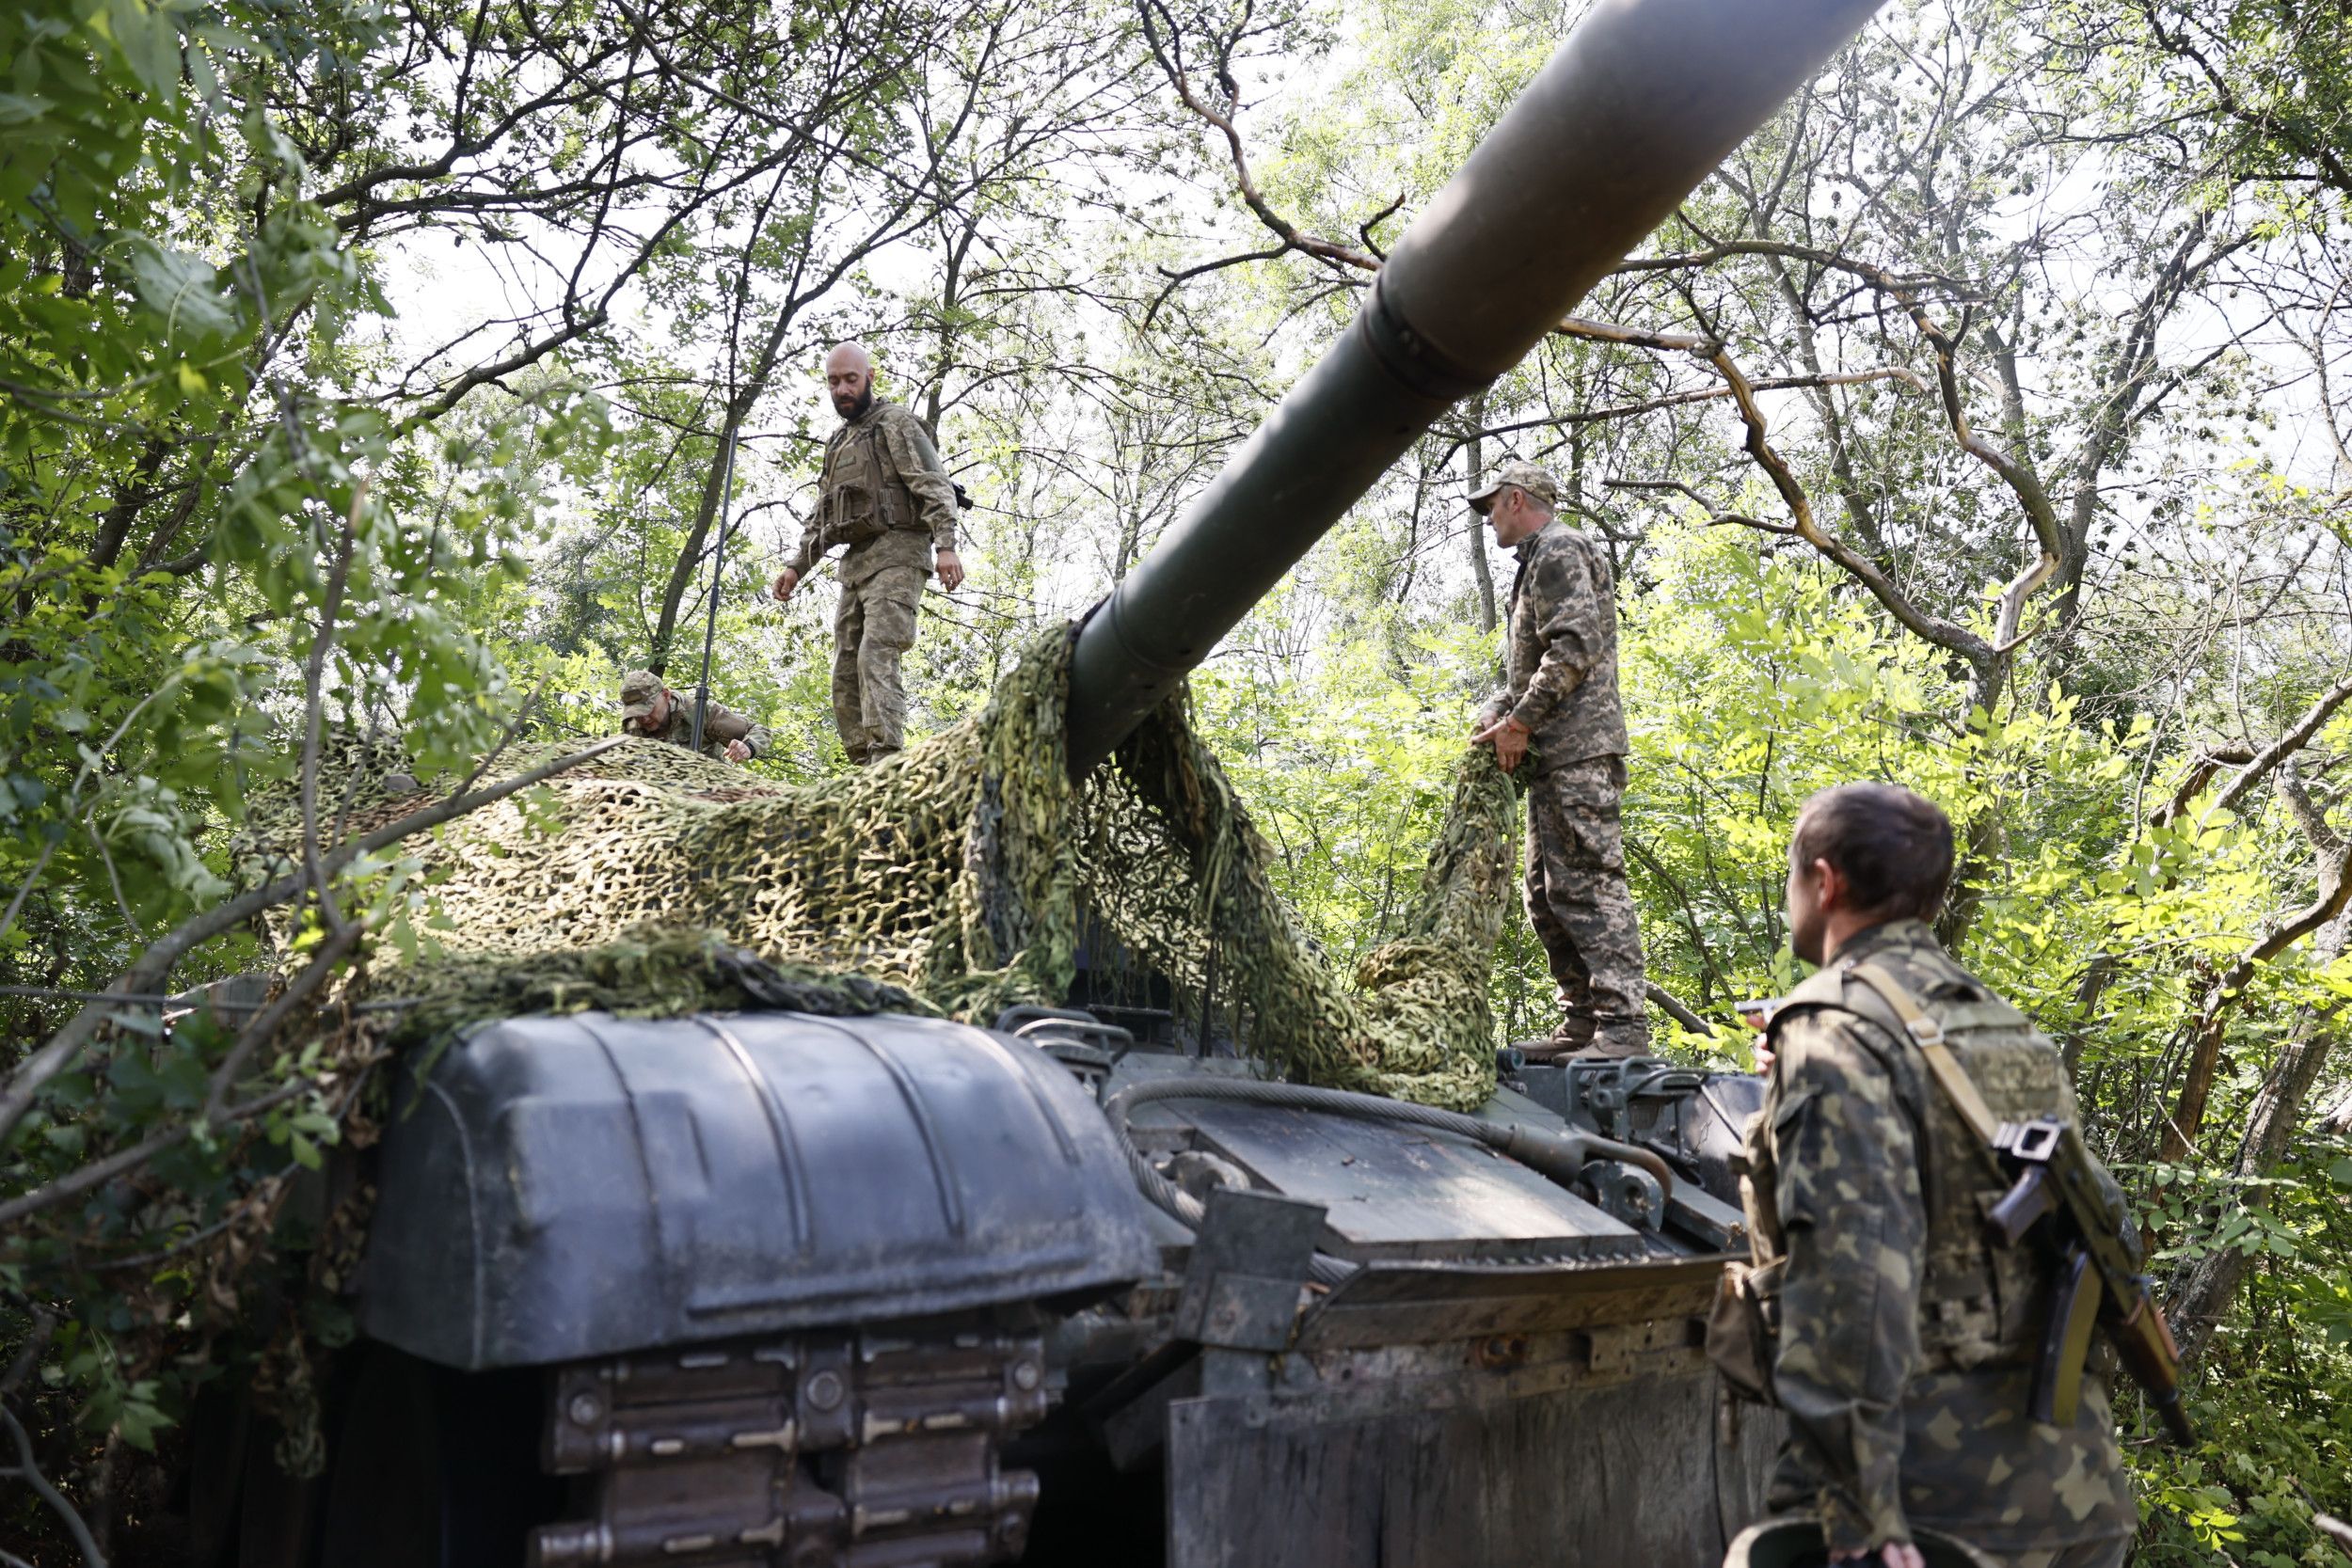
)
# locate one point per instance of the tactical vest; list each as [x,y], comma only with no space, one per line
[1979,1305]
[861,496]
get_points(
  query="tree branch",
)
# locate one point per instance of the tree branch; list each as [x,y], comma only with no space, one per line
[264,1026]
[2295,740]
[1169,54]
[1829,261]
[1678,400]
[30,1472]
[1177,279]
[2021,479]
[2200,774]
[1943,633]
[99,1172]
[1675,1009]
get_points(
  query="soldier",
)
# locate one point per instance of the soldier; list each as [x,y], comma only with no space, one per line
[886,496]
[1561,707]
[653,710]
[1905,1340]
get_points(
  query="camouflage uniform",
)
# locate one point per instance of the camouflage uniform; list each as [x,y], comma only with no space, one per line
[1562,665]
[721,723]
[1906,1341]
[886,496]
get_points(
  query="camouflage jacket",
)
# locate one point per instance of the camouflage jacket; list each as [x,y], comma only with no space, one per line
[883,492]
[1906,1341]
[720,724]
[1561,656]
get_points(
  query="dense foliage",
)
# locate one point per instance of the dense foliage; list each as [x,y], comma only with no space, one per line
[390,372]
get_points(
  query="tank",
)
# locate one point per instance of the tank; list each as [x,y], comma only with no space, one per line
[767,1288]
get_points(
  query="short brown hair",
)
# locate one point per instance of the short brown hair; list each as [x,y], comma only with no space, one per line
[1892,847]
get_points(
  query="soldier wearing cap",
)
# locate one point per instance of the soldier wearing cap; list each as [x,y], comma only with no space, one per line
[886,496]
[1559,712]
[653,710]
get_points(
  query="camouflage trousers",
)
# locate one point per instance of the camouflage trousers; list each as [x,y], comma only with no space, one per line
[871,632]
[1581,906]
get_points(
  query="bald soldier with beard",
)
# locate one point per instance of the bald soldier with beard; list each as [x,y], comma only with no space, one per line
[886,497]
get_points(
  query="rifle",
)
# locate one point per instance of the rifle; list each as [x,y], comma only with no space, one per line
[2099,1283]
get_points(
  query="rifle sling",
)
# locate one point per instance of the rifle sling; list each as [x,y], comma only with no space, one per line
[1950,1076]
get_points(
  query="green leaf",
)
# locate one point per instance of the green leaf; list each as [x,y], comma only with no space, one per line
[140,1419]
[151,44]
[182,288]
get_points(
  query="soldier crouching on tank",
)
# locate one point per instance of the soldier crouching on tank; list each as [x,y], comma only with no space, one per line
[885,495]
[653,710]
[1897,1338]
[1559,706]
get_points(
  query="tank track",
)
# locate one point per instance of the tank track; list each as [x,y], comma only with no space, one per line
[858,1449]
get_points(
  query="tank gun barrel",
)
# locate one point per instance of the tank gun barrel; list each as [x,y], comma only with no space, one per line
[1643,99]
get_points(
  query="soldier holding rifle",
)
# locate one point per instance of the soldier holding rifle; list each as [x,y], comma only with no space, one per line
[1934,1244]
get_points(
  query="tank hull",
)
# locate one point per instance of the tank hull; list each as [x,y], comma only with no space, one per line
[1580,1449]
[758,1263]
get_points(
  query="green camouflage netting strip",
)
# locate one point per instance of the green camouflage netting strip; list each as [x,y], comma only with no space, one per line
[951,879]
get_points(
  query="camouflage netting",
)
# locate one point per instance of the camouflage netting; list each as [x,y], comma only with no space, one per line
[652,880]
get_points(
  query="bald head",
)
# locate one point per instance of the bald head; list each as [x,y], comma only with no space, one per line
[849,379]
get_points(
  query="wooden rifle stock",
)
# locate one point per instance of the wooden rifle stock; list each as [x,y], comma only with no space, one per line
[2144,1341]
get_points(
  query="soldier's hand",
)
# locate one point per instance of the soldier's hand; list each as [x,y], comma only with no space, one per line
[950,568]
[737,751]
[1508,736]
[787,580]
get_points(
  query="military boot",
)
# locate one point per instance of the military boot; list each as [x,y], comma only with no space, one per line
[1618,1038]
[1573,1036]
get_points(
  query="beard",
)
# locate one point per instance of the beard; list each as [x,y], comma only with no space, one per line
[855,408]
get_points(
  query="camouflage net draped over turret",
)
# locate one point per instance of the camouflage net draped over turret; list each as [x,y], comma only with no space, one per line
[951,877]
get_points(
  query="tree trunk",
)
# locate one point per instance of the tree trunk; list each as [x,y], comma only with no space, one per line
[690,554]
[2332,856]
[2203,1292]
[1473,466]
[950,297]
[2097,975]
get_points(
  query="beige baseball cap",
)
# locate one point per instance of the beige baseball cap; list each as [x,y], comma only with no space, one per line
[638,690]
[1536,482]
